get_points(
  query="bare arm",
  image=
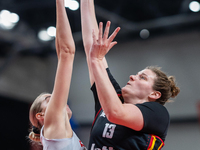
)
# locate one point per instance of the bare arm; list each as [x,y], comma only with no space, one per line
[56,118]
[124,114]
[89,23]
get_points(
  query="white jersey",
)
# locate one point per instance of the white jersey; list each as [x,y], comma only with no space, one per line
[73,143]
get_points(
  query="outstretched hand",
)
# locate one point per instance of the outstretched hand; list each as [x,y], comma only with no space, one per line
[103,44]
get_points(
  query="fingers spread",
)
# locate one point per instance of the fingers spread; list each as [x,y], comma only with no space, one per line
[112,44]
[101,45]
[100,32]
[106,32]
[94,37]
[113,35]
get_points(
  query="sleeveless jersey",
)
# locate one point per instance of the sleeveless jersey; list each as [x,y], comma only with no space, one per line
[106,135]
[73,143]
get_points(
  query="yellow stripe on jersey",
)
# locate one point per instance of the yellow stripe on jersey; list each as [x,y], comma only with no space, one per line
[152,143]
[159,148]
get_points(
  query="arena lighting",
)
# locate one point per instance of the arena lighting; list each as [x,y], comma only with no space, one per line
[51,31]
[47,34]
[8,19]
[144,33]
[194,6]
[72,4]
[43,35]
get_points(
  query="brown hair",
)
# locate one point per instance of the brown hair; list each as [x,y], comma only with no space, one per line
[164,84]
[36,126]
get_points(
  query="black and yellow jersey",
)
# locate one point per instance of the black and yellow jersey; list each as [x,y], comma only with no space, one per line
[106,135]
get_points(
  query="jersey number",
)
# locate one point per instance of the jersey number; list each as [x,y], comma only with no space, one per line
[109,130]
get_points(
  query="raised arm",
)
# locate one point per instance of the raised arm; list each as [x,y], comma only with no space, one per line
[123,114]
[56,114]
[89,23]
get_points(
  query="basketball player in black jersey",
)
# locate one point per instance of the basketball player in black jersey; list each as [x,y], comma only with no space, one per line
[128,118]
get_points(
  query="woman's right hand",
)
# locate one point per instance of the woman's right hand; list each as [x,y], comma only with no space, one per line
[103,44]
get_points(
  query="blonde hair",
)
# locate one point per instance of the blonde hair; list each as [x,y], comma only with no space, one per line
[36,126]
[34,137]
[164,84]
